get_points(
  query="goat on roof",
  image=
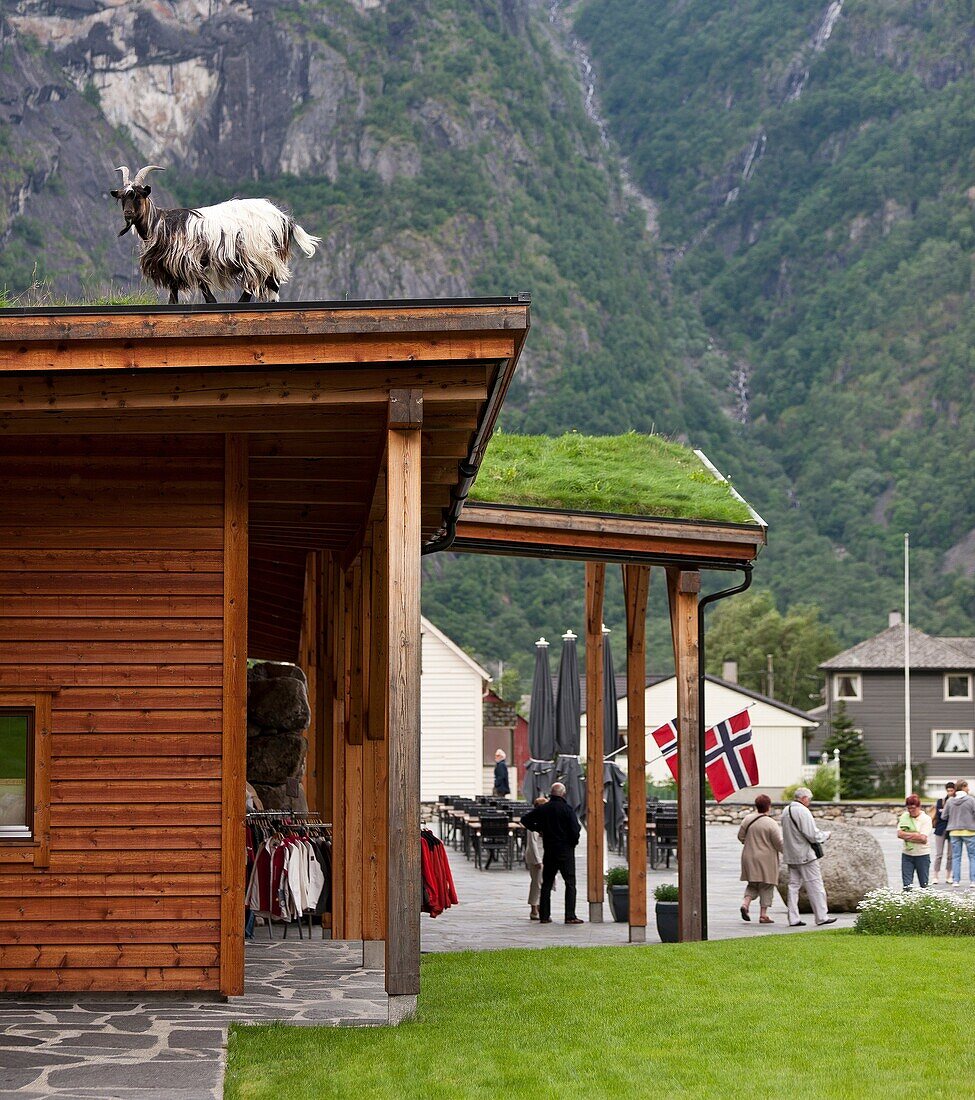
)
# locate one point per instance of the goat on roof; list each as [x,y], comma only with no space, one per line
[242,242]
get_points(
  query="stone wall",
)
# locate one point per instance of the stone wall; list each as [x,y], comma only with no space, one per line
[846,813]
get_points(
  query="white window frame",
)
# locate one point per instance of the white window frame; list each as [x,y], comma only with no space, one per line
[857,679]
[952,755]
[958,698]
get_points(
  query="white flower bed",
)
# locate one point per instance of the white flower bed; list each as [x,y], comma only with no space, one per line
[917,913]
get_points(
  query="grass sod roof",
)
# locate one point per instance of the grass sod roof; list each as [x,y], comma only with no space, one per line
[628,475]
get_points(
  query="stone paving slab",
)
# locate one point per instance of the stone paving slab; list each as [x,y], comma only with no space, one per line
[174,1049]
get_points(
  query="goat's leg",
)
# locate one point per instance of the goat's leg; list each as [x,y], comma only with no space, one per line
[270,289]
[246,296]
[173,294]
[207,294]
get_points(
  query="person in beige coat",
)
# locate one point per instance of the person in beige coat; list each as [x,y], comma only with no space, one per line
[762,840]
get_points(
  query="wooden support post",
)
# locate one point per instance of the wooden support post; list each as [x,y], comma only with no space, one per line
[636,588]
[320,707]
[232,856]
[403,538]
[308,661]
[337,631]
[352,749]
[378,715]
[595,588]
[683,589]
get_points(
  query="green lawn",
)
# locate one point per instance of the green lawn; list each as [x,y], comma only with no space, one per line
[631,474]
[818,1015]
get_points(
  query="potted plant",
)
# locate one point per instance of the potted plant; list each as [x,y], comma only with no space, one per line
[667,923]
[618,893]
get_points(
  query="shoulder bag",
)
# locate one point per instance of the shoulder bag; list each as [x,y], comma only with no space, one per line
[817,848]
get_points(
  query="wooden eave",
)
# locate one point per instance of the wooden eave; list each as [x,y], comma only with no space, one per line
[593,536]
[309,384]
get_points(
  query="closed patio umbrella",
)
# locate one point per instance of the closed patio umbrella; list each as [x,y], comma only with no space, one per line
[539,772]
[567,724]
[613,777]
[611,721]
[613,780]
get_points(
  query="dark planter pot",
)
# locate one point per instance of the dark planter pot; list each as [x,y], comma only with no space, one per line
[667,924]
[619,903]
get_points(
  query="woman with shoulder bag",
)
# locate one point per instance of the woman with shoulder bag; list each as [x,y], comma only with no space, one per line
[762,840]
[802,849]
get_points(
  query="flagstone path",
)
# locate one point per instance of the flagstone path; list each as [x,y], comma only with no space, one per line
[173,1049]
[493,912]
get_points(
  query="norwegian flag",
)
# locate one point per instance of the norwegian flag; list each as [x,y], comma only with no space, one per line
[729,758]
[666,738]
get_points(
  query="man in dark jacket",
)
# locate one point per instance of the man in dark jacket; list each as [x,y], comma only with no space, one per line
[502,788]
[559,826]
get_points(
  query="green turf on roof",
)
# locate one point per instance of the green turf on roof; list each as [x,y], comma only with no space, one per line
[632,474]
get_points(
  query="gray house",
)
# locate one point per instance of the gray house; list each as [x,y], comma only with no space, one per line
[869,680]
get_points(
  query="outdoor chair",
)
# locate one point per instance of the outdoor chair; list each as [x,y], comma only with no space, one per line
[663,837]
[494,837]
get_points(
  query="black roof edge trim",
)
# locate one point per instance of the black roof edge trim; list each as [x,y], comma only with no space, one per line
[191,308]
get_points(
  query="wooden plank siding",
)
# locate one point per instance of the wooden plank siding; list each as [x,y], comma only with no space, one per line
[112,598]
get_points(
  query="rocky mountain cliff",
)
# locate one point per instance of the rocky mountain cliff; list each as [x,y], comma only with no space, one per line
[779,269]
[440,147]
[812,162]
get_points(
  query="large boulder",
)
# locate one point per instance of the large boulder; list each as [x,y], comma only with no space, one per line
[852,864]
[274,758]
[289,795]
[278,704]
[274,670]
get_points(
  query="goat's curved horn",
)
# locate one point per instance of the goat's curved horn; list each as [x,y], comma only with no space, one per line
[124,169]
[140,177]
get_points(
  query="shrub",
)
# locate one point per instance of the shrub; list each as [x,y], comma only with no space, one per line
[915,913]
[618,876]
[664,792]
[822,785]
[666,891]
[890,777]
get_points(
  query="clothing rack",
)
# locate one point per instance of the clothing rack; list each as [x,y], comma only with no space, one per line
[310,820]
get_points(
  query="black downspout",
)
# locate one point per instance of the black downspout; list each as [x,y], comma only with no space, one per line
[702,727]
[468,471]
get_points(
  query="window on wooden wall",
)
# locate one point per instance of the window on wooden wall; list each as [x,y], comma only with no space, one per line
[16,773]
[847,686]
[958,687]
[951,743]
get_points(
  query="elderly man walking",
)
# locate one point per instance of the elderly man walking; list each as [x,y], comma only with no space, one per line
[560,829]
[799,834]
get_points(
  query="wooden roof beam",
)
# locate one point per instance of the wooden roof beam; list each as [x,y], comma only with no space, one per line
[151,355]
[234,390]
[314,320]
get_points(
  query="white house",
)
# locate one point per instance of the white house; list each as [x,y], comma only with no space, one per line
[451,717]
[777,729]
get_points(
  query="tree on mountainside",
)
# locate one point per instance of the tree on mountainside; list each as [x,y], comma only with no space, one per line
[856,764]
[749,628]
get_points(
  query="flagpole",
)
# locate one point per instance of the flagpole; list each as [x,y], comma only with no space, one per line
[908,779]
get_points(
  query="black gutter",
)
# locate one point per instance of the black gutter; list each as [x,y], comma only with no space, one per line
[746,568]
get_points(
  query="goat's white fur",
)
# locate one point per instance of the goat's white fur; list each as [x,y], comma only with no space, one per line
[243,235]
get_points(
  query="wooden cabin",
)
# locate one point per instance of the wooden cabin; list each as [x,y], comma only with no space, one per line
[182,488]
